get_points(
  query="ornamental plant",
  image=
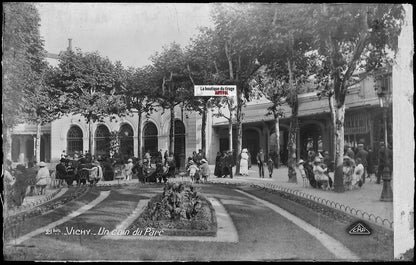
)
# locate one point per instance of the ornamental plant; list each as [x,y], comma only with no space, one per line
[178,202]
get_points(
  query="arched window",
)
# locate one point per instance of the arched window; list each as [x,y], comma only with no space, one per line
[150,138]
[179,151]
[102,140]
[126,140]
[74,140]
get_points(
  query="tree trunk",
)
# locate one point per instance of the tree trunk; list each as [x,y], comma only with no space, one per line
[139,136]
[7,143]
[230,133]
[339,147]
[38,138]
[172,130]
[333,120]
[203,132]
[89,137]
[291,162]
[277,129]
[239,132]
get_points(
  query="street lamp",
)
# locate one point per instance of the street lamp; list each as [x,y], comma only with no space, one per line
[385,99]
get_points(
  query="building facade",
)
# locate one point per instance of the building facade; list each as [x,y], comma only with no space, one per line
[363,123]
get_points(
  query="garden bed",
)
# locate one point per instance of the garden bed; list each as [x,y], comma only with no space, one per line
[193,216]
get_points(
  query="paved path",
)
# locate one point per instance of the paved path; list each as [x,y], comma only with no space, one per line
[367,198]
[263,234]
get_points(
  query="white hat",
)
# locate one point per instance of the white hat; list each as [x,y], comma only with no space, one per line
[301,161]
[203,160]
[42,164]
[130,160]
[244,150]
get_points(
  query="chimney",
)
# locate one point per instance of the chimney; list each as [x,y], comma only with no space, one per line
[70,44]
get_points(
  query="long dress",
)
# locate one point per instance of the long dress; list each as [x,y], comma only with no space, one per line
[244,164]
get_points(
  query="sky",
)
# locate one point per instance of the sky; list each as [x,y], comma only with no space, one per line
[129,32]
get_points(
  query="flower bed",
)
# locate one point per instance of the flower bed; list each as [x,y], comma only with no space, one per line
[69,195]
[179,211]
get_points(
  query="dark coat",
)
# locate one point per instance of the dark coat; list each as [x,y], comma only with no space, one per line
[217,170]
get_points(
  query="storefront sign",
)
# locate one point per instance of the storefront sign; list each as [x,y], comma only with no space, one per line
[215,91]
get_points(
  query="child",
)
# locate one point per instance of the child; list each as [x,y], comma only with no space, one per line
[358,174]
[270,165]
[302,171]
[205,171]
[192,169]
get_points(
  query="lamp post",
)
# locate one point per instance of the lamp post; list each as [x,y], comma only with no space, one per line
[387,193]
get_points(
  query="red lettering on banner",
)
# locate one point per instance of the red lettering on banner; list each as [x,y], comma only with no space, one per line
[221,92]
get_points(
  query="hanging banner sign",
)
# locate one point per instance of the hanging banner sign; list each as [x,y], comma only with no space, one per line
[215,91]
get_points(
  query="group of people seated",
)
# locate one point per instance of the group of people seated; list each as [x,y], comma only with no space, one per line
[82,171]
[316,171]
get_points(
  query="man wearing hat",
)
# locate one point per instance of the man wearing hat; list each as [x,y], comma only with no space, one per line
[42,178]
[362,154]
[204,169]
[382,162]
[61,171]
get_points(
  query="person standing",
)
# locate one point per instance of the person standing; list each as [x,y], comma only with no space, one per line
[362,154]
[249,159]
[370,162]
[60,171]
[217,169]
[244,163]
[260,162]
[382,162]
[270,165]
[42,177]
[357,179]
[228,164]
[165,156]
[204,169]
[128,173]
[171,165]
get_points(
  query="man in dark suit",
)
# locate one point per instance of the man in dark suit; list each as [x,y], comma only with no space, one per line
[260,162]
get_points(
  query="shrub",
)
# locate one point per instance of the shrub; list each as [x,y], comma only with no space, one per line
[177,202]
[16,193]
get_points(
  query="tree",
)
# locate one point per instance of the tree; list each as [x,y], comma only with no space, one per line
[285,43]
[92,86]
[169,79]
[139,97]
[351,38]
[237,54]
[22,54]
[276,92]
[201,69]
[44,102]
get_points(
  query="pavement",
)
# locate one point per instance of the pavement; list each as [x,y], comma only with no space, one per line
[367,198]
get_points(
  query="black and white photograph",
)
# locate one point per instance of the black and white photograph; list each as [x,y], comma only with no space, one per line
[201,132]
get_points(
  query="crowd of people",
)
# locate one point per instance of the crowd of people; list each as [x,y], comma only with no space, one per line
[358,165]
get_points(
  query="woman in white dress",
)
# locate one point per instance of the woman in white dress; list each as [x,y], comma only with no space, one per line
[244,163]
